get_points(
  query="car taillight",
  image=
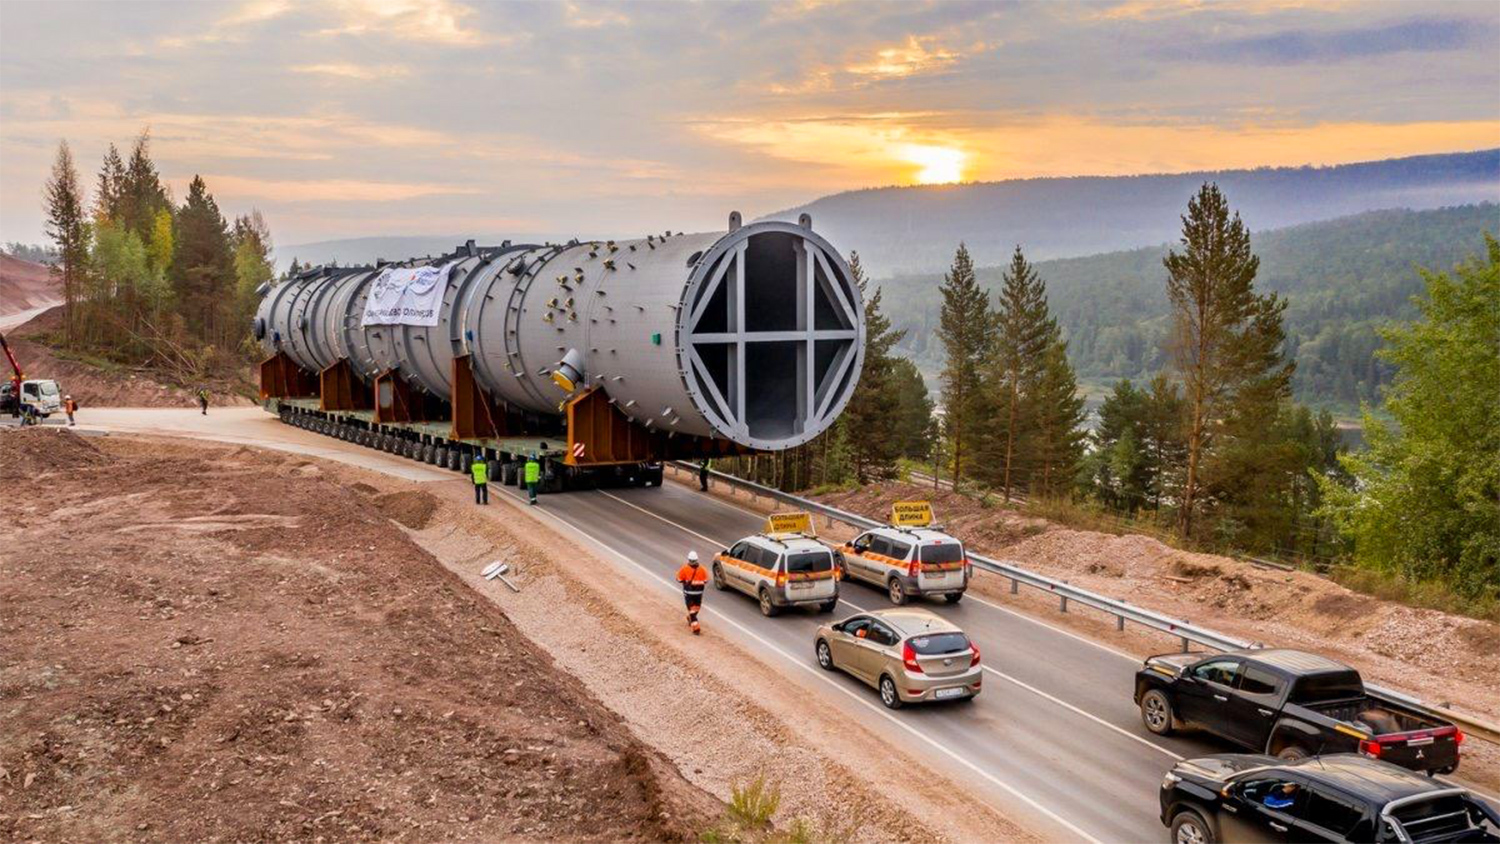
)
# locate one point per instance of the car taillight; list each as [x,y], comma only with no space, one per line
[1370,748]
[975,648]
[1458,739]
[909,659]
[780,580]
[913,568]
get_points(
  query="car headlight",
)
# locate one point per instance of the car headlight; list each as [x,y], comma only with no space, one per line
[1170,780]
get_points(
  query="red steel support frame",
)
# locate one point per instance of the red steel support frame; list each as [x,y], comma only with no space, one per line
[340,390]
[599,434]
[282,378]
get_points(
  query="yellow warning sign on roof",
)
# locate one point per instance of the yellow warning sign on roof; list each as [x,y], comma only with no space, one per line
[799,522]
[911,514]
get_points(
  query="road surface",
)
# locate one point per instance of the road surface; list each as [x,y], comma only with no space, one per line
[1054,739]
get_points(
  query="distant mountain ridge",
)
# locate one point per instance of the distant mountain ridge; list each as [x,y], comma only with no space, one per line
[1341,278]
[915,229]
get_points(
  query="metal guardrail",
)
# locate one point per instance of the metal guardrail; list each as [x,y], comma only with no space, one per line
[1187,632]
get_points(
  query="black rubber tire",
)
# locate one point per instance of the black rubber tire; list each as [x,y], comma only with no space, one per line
[890,697]
[1201,832]
[768,609]
[1292,753]
[824,655]
[896,590]
[1156,712]
[828,606]
[953,597]
[718,577]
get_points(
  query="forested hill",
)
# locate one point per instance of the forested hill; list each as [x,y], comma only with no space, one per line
[1341,279]
[914,229]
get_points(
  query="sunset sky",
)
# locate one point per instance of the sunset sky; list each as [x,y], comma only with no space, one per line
[370,117]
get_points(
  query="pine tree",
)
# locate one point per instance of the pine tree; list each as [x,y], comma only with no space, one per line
[68,228]
[1057,435]
[1226,342]
[916,427]
[1024,332]
[141,194]
[875,450]
[964,327]
[203,266]
[111,181]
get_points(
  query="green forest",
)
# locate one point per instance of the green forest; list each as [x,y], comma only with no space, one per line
[1342,279]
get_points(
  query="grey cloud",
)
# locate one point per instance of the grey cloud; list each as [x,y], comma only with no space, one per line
[1297,46]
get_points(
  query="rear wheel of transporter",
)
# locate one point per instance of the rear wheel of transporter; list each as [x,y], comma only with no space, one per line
[1156,712]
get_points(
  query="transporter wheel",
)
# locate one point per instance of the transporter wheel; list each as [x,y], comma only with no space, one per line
[897,591]
[768,609]
[1189,827]
[888,694]
[953,597]
[825,656]
[718,573]
[1156,712]
[507,473]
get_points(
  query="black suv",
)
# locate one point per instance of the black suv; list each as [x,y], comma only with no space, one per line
[1343,797]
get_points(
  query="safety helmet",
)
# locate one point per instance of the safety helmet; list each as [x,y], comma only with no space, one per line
[692,556]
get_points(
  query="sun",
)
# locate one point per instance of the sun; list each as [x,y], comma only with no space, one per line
[940,165]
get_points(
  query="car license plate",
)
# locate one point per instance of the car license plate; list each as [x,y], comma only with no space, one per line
[944,694]
[802,585]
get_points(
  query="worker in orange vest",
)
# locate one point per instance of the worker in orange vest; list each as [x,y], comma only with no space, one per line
[693,578]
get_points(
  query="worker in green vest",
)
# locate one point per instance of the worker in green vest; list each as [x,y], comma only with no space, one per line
[480,470]
[533,476]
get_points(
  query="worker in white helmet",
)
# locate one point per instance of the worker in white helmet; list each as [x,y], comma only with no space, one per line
[693,578]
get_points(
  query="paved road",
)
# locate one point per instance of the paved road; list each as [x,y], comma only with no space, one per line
[1054,735]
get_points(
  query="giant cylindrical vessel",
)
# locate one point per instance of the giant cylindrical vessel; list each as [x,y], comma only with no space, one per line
[755,335]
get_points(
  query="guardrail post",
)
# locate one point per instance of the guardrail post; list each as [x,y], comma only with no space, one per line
[1184,644]
[1064,606]
[1120,623]
[1015,586]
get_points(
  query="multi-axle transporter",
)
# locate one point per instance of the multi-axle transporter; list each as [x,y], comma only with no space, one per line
[601,358]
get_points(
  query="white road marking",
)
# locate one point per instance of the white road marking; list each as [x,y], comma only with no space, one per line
[862,700]
[1001,674]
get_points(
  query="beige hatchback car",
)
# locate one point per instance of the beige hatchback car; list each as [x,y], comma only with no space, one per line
[910,655]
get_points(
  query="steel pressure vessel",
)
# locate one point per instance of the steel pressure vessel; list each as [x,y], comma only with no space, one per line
[754,335]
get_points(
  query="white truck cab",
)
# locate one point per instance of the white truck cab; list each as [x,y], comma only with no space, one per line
[908,562]
[780,570]
[43,396]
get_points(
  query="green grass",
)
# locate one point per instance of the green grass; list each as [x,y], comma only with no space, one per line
[1426,594]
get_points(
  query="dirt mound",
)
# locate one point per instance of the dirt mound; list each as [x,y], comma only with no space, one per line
[1428,653]
[34,452]
[199,646]
[99,383]
[25,285]
[412,508]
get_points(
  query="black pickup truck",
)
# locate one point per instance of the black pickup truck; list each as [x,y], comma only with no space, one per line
[1234,798]
[1290,704]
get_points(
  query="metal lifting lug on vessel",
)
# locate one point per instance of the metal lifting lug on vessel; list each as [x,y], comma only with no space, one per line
[588,354]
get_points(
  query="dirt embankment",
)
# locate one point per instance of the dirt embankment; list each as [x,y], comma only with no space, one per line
[25,285]
[109,385]
[1437,656]
[212,643]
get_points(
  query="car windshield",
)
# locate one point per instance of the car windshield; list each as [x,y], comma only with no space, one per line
[809,561]
[939,643]
[948,552]
[49,388]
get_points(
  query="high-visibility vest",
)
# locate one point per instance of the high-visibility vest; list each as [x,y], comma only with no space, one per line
[692,579]
[480,471]
[533,471]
